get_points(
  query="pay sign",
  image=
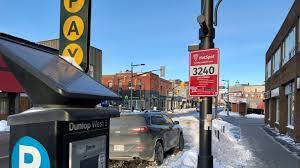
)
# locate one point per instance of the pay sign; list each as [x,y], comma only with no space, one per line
[74,39]
[204,73]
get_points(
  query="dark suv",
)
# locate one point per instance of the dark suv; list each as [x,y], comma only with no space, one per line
[144,135]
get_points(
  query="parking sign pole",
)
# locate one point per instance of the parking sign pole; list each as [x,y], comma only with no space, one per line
[206,35]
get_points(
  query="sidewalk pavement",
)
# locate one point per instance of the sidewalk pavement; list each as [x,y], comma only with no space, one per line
[268,152]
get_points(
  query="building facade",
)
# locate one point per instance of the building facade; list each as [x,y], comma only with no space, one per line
[282,77]
[223,95]
[10,92]
[148,90]
[180,94]
[246,96]
[95,70]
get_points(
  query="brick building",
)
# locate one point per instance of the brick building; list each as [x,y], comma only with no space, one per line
[282,77]
[246,96]
[149,90]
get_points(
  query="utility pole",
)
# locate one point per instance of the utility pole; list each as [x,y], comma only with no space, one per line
[228,98]
[206,35]
[131,87]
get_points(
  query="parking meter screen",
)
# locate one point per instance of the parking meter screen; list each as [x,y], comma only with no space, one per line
[88,153]
[57,72]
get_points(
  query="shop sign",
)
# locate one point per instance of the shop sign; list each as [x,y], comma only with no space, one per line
[275,92]
[267,95]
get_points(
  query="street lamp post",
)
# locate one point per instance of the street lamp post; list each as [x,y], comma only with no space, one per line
[131,86]
[227,103]
[173,94]
[206,35]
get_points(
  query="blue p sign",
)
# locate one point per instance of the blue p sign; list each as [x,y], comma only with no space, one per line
[29,153]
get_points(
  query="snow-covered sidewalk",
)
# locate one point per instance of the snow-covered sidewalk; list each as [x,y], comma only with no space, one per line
[227,151]
[183,111]
[236,114]
[4,127]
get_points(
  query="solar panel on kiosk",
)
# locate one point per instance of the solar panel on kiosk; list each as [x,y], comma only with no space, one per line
[53,71]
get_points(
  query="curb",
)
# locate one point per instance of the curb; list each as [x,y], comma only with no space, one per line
[289,146]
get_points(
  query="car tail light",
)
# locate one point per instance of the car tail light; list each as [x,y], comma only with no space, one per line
[140,130]
[140,148]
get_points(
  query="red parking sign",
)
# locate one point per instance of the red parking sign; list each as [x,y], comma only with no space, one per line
[204,73]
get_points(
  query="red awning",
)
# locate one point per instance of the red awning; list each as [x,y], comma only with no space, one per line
[8,83]
[2,63]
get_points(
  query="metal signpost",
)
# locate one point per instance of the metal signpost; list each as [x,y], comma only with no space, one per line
[74,38]
[204,78]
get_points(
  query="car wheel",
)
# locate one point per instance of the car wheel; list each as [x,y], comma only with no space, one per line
[159,154]
[181,143]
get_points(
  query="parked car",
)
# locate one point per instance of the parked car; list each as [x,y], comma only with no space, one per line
[144,135]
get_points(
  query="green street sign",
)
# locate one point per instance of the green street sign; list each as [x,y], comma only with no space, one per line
[74,41]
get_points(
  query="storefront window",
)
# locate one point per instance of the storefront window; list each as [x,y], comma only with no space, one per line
[270,109]
[120,84]
[277,109]
[4,106]
[289,89]
[298,43]
[277,60]
[269,69]
[110,84]
[289,46]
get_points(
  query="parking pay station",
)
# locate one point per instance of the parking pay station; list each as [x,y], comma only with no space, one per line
[63,129]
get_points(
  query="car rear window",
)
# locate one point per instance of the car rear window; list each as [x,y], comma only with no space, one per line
[128,121]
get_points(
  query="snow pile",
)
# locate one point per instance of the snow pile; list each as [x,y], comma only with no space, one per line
[289,140]
[188,158]
[258,116]
[228,150]
[224,113]
[182,111]
[232,132]
[3,126]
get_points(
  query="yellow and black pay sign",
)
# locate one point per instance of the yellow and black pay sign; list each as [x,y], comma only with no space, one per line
[74,39]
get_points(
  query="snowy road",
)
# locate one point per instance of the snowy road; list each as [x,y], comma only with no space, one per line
[227,151]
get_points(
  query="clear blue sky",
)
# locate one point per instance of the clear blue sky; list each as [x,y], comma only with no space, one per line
[157,32]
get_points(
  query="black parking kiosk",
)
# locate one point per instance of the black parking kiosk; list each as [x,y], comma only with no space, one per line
[64,129]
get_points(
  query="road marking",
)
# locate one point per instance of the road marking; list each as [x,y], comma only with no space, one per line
[3,157]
